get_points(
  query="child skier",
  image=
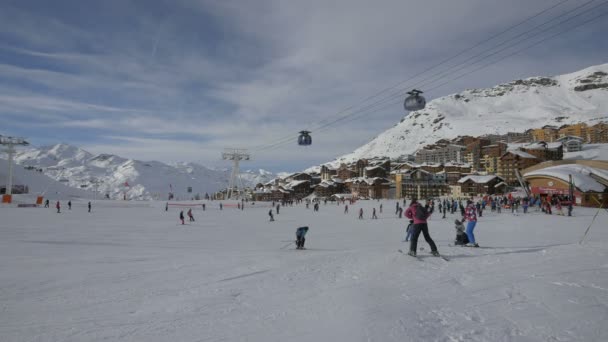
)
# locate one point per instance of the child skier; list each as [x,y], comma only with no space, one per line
[409,231]
[461,236]
[300,233]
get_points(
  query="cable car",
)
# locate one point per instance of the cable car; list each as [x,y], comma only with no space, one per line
[414,101]
[304,139]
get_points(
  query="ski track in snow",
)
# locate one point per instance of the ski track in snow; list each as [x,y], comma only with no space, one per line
[126,272]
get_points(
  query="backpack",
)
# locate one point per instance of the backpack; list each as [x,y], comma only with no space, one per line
[421,213]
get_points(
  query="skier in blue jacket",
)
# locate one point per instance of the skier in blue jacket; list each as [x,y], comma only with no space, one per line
[300,234]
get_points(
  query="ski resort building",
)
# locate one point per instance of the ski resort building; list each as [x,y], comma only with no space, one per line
[475,185]
[512,161]
[440,154]
[546,133]
[423,184]
[589,181]
[368,187]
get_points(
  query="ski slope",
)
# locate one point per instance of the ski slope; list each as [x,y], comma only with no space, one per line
[129,271]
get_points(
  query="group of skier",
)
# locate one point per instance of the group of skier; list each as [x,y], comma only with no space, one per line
[58,205]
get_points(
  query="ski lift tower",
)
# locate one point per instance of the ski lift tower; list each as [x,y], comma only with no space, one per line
[236,155]
[10,143]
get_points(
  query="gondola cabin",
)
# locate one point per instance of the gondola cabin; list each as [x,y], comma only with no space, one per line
[304,139]
[414,101]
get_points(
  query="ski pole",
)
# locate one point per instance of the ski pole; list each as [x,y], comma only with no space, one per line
[287,245]
[592,221]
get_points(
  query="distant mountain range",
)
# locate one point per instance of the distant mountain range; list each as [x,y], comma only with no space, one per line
[117,176]
[516,106]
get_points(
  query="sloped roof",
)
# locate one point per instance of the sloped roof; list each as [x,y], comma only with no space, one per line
[478,179]
[522,154]
[582,176]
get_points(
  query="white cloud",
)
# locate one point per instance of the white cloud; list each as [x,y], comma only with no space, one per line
[273,68]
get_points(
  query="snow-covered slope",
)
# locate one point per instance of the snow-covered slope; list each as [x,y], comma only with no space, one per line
[138,179]
[39,184]
[133,273]
[516,106]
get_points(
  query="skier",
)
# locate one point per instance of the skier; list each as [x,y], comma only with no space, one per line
[419,215]
[58,206]
[70,205]
[400,212]
[346,209]
[181,216]
[374,214]
[300,237]
[167,206]
[204,206]
[89,206]
[380,208]
[558,208]
[570,207]
[190,216]
[271,216]
[471,216]
[46,203]
[221,206]
[278,207]
[397,208]
[360,213]
[409,231]
[445,209]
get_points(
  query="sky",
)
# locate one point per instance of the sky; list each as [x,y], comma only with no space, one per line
[182,80]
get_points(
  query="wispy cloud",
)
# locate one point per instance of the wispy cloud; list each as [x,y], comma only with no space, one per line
[184,79]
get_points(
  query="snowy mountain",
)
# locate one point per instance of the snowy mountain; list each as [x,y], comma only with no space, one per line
[117,176]
[40,184]
[516,106]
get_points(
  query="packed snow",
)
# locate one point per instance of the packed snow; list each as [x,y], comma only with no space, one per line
[129,271]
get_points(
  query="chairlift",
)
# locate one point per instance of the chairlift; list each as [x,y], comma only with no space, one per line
[304,139]
[414,101]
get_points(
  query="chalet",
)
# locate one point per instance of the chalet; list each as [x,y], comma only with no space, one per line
[375,171]
[328,188]
[299,176]
[344,172]
[327,172]
[512,161]
[299,188]
[368,187]
[475,185]
[571,143]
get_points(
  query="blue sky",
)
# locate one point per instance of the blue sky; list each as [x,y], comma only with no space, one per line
[181,80]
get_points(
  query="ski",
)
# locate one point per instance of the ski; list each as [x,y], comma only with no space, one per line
[404,253]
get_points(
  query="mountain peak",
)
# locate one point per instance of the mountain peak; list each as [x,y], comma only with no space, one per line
[518,105]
